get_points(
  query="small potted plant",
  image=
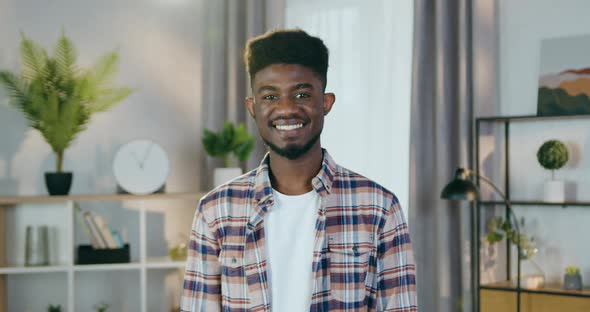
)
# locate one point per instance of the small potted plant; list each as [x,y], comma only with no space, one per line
[58,97]
[231,140]
[52,308]
[553,155]
[572,279]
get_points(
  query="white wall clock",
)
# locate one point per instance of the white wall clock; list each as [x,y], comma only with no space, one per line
[141,167]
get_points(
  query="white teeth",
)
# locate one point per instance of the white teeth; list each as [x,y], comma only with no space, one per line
[289,127]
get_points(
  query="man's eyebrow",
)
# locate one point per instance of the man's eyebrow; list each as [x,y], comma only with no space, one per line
[267,88]
[303,86]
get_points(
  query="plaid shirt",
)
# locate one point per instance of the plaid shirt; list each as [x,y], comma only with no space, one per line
[362,253]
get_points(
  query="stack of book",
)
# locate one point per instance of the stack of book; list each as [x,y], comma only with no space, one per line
[101,235]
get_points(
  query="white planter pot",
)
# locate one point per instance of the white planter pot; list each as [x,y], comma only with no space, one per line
[554,191]
[222,175]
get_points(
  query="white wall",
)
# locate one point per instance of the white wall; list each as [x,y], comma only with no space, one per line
[561,232]
[159,43]
[370,46]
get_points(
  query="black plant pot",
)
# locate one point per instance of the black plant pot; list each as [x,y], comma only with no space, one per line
[58,183]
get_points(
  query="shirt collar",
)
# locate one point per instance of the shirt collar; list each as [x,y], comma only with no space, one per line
[321,183]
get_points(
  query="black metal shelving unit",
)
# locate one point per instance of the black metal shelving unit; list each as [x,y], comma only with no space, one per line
[506,121]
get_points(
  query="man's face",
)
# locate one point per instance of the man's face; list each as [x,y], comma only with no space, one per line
[289,106]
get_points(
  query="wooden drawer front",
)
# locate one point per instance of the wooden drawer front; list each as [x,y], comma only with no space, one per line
[551,303]
[497,301]
[505,301]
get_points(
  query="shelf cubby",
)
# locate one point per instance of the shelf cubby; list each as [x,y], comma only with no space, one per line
[125,286]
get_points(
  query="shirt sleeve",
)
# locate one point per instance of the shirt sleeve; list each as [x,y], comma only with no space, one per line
[202,277]
[396,271]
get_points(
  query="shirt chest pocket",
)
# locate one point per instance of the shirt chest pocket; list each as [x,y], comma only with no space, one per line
[234,289]
[348,266]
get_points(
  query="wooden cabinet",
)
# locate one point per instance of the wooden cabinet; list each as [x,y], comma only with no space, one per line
[505,301]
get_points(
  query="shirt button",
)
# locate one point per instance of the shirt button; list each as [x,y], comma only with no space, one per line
[355,248]
[234,260]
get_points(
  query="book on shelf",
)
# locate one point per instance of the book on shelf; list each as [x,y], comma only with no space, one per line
[118,238]
[100,234]
[96,234]
[105,232]
[84,225]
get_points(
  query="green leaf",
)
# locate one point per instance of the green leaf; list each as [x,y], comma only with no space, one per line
[506,225]
[105,69]
[243,150]
[109,98]
[65,56]
[494,237]
[229,140]
[34,60]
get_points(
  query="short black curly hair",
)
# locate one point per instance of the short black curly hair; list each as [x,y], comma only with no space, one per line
[287,46]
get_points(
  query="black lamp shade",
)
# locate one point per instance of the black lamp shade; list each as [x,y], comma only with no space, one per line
[461,188]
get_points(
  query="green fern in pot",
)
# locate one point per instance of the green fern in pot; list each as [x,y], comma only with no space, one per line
[58,98]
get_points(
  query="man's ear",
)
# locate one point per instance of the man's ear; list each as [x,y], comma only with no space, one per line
[250,106]
[329,99]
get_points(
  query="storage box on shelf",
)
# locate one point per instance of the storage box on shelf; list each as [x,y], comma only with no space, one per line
[501,296]
[75,286]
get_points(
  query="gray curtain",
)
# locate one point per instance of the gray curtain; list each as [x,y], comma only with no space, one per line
[229,25]
[440,141]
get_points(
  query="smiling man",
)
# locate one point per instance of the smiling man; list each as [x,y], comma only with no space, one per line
[298,233]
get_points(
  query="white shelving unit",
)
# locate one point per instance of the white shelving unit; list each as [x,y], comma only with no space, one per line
[64,267]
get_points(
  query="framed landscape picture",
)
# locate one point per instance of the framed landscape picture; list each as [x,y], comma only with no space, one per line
[564,82]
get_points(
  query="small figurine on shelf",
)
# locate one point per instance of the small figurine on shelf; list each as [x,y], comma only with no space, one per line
[101,307]
[52,308]
[572,279]
[178,248]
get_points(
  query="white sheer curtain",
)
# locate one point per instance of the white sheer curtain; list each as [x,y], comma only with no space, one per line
[370,45]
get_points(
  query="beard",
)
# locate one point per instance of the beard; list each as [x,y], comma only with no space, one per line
[292,152]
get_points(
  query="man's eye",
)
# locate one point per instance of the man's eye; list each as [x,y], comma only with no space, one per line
[270,97]
[302,95]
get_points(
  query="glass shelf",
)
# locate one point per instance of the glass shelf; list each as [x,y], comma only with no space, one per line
[530,118]
[548,289]
[533,203]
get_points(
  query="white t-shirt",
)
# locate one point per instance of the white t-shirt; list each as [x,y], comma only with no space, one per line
[290,235]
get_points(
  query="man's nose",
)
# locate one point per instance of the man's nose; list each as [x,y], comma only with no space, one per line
[287,105]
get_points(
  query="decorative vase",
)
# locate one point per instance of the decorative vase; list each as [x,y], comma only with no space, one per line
[222,175]
[37,245]
[572,282]
[531,274]
[58,183]
[554,191]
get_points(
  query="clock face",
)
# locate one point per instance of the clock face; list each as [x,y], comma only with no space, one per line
[141,167]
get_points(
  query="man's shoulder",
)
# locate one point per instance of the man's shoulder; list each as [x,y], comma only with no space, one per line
[350,182]
[346,179]
[236,191]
